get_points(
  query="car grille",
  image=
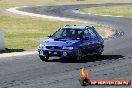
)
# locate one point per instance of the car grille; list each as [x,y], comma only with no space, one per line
[53,47]
[52,53]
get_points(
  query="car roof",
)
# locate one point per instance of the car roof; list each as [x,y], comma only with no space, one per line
[76,27]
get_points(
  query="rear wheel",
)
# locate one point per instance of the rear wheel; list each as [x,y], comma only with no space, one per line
[79,54]
[100,50]
[43,58]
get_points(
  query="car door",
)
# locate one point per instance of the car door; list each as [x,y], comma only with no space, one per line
[83,42]
[91,42]
[87,42]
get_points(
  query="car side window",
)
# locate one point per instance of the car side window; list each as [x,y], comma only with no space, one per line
[64,33]
[89,33]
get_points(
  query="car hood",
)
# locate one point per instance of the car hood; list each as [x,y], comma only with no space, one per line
[52,42]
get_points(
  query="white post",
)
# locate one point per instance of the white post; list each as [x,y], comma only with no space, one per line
[2,47]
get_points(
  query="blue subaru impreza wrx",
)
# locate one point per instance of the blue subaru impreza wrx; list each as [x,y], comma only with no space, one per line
[72,42]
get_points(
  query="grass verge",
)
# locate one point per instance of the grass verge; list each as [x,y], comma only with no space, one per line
[114,10]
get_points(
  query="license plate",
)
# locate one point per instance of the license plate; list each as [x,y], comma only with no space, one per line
[41,52]
[55,53]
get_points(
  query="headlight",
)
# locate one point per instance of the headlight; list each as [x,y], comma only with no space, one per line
[68,48]
[41,46]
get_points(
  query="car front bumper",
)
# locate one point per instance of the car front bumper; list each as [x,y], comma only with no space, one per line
[56,53]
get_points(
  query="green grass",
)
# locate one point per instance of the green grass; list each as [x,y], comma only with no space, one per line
[26,33]
[114,10]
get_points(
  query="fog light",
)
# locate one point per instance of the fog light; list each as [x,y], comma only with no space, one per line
[64,54]
[50,52]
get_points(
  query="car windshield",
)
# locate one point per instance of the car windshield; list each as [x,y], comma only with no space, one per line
[67,33]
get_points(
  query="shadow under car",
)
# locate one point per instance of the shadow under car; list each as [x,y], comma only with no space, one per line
[87,59]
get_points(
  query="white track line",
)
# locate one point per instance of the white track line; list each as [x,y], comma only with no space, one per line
[14,10]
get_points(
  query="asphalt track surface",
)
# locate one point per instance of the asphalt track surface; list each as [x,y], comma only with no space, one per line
[115,63]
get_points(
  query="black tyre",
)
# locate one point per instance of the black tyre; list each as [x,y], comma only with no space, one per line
[100,50]
[43,58]
[79,54]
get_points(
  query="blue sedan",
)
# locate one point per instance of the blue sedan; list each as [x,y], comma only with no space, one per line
[73,42]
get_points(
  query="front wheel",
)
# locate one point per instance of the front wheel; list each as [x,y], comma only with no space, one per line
[79,54]
[43,58]
[100,51]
